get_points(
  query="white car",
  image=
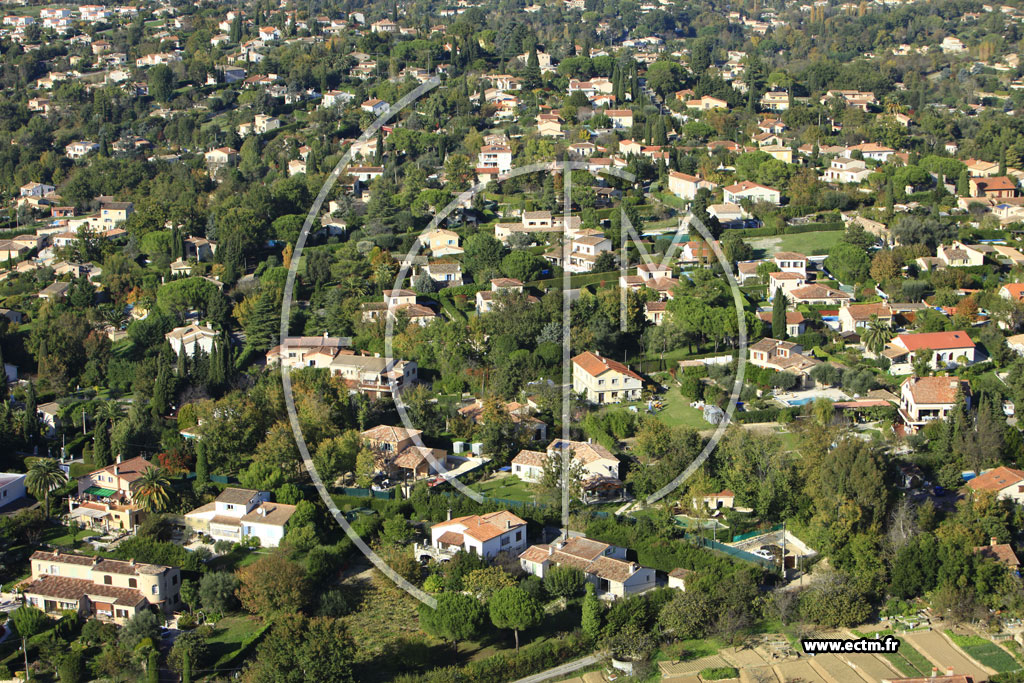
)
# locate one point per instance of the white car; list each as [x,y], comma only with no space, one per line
[764,554]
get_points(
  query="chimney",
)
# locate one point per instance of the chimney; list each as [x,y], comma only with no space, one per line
[633,567]
[449,514]
[116,470]
[551,550]
[119,458]
[949,671]
[508,524]
[935,672]
[993,541]
[131,562]
[95,560]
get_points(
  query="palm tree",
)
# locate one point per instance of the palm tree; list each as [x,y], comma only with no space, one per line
[876,335]
[152,490]
[44,476]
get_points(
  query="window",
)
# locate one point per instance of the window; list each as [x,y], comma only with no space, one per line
[121,613]
[153,589]
[133,583]
[519,535]
[174,580]
[108,580]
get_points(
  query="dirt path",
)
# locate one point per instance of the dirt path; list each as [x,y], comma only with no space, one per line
[873,667]
[943,653]
[799,670]
[835,669]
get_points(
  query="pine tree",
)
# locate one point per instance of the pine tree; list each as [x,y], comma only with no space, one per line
[779,315]
[101,445]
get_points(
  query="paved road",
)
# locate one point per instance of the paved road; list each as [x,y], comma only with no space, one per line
[558,671]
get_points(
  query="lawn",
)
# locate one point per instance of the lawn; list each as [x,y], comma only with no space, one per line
[809,243]
[986,652]
[510,488]
[231,636]
[677,411]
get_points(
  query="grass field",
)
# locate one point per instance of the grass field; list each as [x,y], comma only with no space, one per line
[509,487]
[231,635]
[809,243]
[986,652]
[677,411]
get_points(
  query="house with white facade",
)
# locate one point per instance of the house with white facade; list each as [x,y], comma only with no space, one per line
[483,535]
[947,349]
[751,191]
[923,399]
[12,488]
[1006,483]
[242,513]
[191,337]
[603,380]
[603,565]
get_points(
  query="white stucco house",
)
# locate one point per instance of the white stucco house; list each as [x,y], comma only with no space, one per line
[241,513]
[482,535]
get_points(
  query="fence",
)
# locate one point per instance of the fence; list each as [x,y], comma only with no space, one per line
[369,493]
[733,552]
[756,532]
[215,478]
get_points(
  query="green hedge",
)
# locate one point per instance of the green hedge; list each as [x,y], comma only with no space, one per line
[507,666]
[718,673]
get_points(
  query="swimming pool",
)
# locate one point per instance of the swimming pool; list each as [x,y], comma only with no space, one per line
[799,401]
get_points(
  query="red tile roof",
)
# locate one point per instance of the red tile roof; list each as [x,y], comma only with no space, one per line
[997,479]
[595,365]
[936,341]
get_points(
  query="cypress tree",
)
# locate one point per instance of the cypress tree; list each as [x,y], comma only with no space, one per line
[182,369]
[186,667]
[162,390]
[591,618]
[30,420]
[202,468]
[779,315]
[215,375]
[3,377]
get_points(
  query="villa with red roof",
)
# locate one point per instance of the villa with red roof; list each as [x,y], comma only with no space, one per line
[1007,483]
[948,349]
[482,535]
[1014,291]
[604,380]
[923,399]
